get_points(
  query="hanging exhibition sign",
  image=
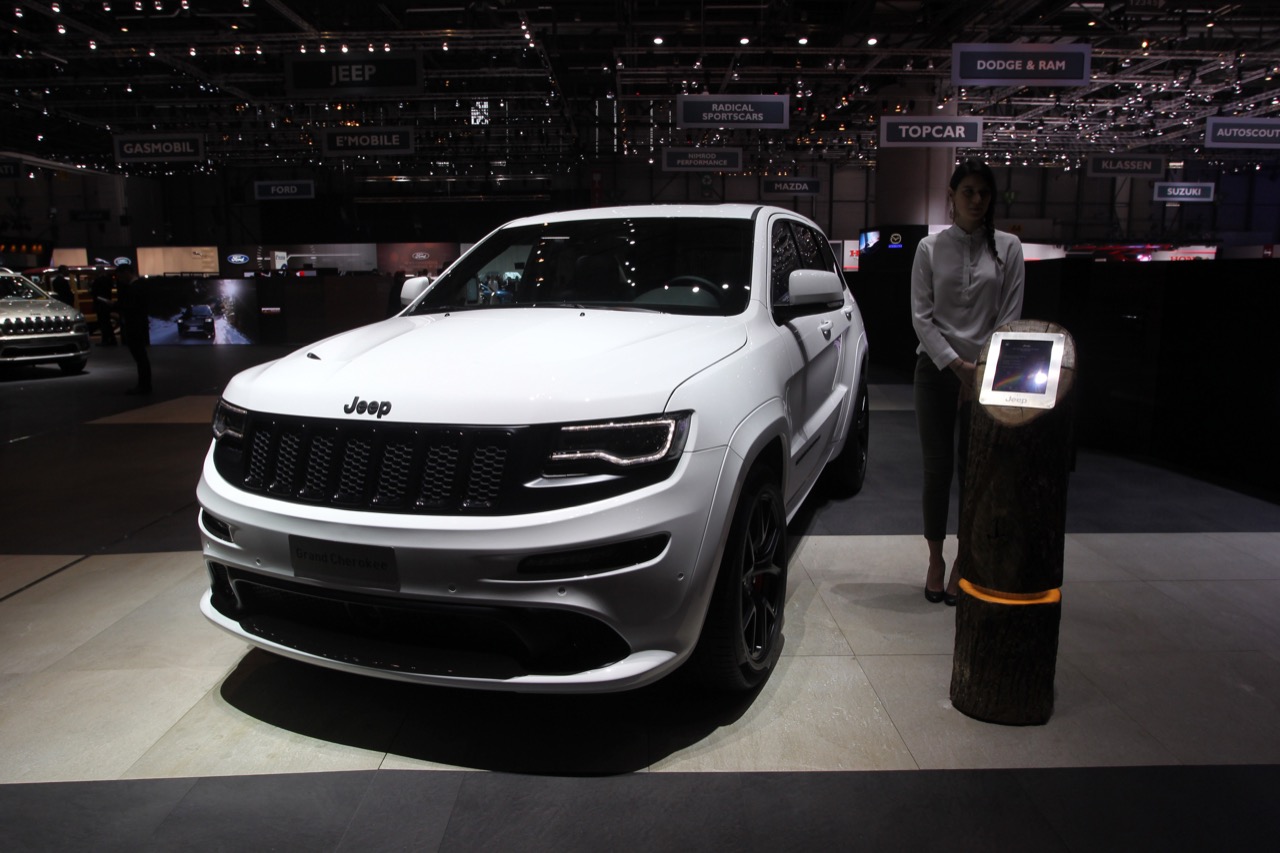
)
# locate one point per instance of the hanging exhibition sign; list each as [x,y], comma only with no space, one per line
[1020,64]
[753,111]
[352,141]
[352,75]
[702,160]
[789,186]
[283,190]
[1183,191]
[159,148]
[1126,166]
[1221,132]
[903,132]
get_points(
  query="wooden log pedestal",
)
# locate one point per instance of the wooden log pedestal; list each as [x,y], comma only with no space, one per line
[1011,542]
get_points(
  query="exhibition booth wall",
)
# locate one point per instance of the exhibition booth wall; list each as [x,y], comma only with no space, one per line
[1171,364]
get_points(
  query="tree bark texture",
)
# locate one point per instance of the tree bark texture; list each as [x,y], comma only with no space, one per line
[1011,544]
[1005,660]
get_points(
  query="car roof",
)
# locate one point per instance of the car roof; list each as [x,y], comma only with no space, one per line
[656,211]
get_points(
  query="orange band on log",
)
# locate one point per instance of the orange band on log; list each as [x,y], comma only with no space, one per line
[1052,596]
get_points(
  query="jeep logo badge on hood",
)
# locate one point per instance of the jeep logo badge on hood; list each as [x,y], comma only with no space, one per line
[367,407]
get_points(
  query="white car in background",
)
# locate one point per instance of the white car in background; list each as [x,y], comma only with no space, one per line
[38,328]
[567,466]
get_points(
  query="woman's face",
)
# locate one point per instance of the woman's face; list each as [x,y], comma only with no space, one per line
[970,201]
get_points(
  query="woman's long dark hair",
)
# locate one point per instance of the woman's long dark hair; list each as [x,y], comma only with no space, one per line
[984,173]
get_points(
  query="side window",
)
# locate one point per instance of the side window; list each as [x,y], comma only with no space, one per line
[785,259]
[811,256]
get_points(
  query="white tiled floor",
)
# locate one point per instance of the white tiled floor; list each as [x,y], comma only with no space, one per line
[1169,653]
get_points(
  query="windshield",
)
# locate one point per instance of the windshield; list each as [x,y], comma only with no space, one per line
[676,265]
[17,287]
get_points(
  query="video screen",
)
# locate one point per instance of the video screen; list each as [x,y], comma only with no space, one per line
[1022,367]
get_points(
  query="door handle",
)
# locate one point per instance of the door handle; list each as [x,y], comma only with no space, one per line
[825,326]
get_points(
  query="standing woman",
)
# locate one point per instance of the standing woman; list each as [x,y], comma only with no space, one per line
[966,282]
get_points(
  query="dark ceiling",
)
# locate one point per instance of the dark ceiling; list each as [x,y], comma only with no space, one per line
[540,87]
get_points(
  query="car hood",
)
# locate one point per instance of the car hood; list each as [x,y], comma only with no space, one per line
[18,308]
[494,366]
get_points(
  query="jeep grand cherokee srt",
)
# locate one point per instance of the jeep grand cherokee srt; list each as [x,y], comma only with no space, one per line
[567,465]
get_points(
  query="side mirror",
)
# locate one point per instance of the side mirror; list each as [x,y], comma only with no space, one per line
[413,288]
[815,287]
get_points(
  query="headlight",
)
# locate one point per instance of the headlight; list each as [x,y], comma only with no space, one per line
[618,444]
[228,420]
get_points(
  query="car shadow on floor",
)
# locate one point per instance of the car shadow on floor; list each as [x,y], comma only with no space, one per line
[545,734]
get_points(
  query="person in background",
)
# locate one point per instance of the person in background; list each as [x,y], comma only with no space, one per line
[101,291]
[966,282]
[62,286]
[135,323]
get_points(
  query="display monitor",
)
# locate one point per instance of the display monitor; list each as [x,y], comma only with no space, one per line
[1023,369]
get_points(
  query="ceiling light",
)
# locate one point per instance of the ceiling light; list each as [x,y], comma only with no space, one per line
[872,41]
[744,41]
[657,39]
[803,40]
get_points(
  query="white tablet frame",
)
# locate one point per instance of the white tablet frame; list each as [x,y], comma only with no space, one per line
[990,396]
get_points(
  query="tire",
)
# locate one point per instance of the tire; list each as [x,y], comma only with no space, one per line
[742,635]
[848,471]
[73,365]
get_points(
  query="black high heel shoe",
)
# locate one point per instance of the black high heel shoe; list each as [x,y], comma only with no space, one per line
[934,596]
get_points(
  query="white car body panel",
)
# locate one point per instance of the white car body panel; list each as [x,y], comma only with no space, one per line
[769,392]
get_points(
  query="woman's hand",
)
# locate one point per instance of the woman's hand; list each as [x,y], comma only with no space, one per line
[965,371]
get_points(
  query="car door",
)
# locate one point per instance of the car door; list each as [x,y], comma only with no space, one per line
[817,337]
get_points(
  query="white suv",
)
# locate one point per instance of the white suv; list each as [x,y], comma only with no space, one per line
[567,466]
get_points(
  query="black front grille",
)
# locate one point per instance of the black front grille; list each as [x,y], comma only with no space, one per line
[405,636]
[392,468]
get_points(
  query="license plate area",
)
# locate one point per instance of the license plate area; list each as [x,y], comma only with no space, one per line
[371,566]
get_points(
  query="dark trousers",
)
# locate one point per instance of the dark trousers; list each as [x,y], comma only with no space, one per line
[937,396]
[138,349]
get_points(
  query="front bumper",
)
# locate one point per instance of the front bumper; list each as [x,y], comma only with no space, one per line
[606,596]
[37,348]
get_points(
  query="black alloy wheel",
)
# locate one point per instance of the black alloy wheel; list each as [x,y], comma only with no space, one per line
[742,636]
